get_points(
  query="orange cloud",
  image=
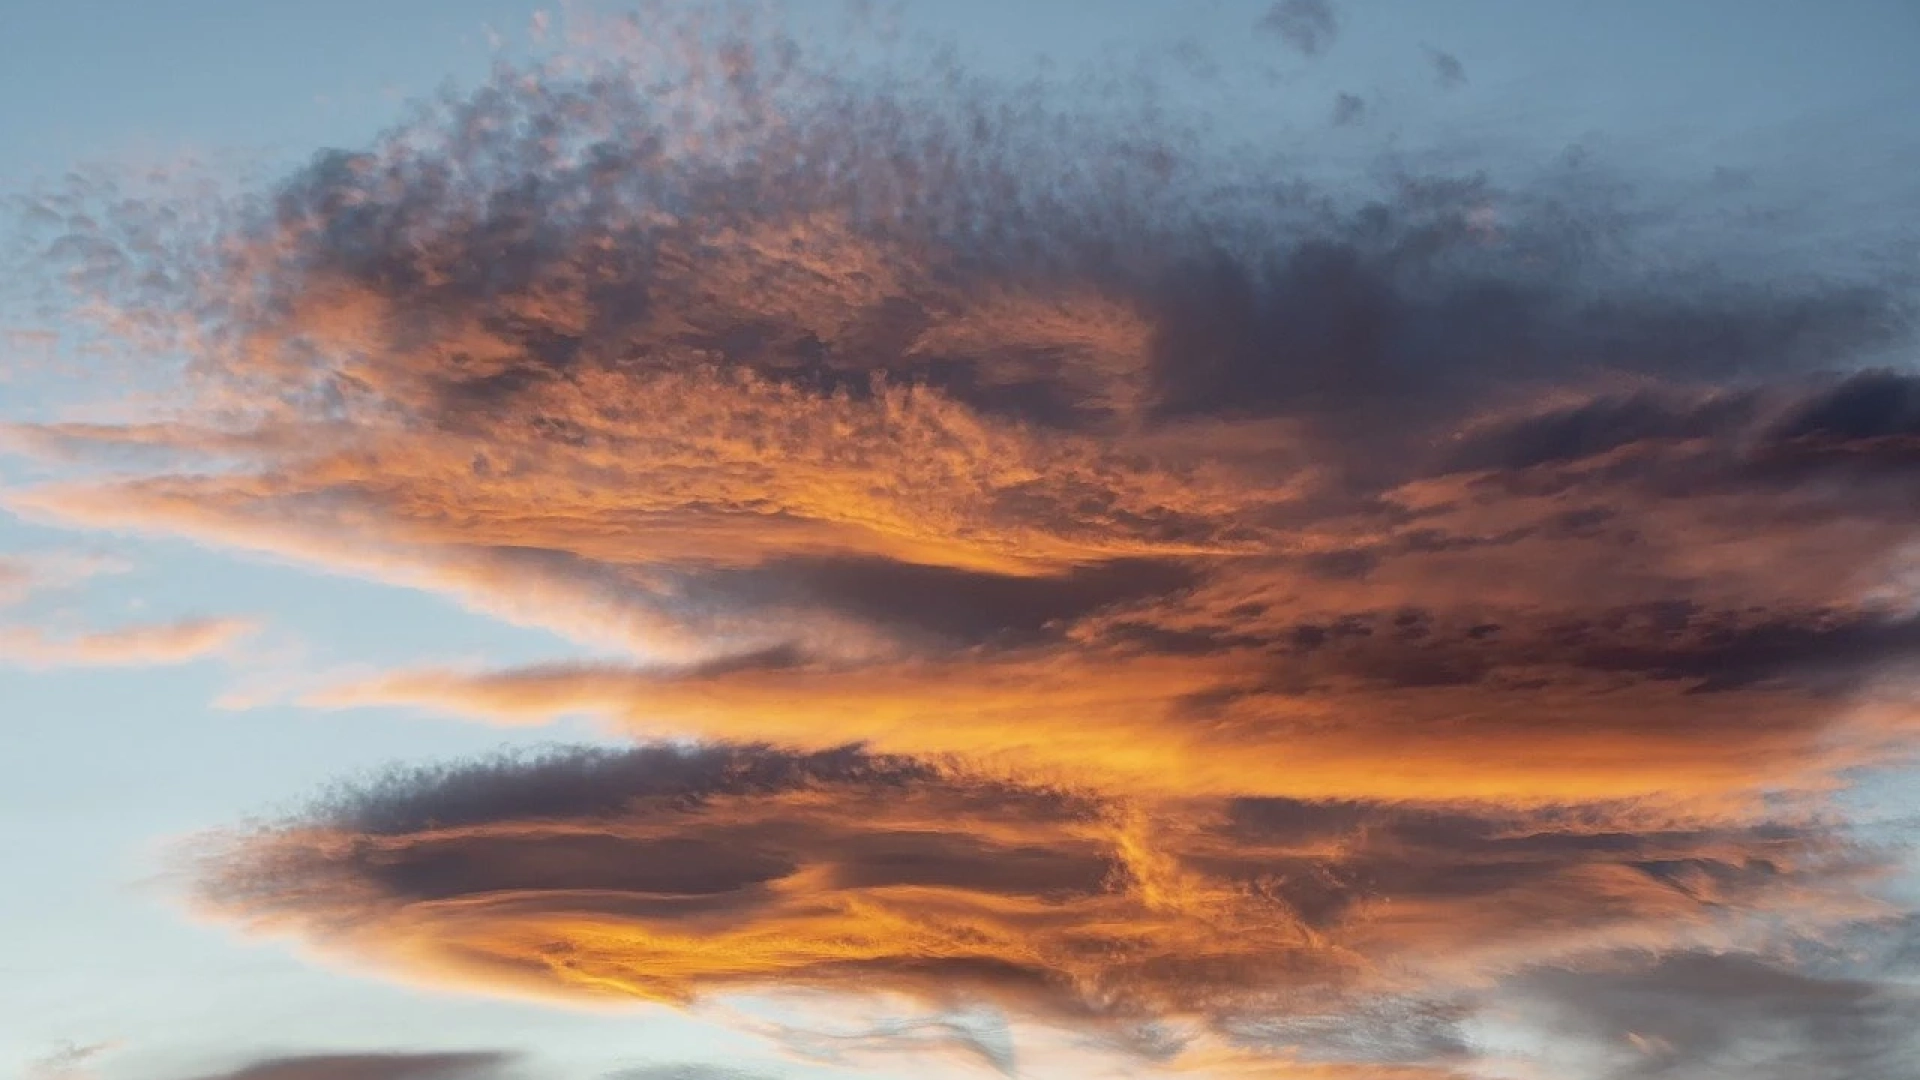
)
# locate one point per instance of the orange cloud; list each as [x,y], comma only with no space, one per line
[27,573]
[673,874]
[1109,492]
[128,646]
[1223,725]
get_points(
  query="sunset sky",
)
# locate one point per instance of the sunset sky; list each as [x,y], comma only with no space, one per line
[1051,539]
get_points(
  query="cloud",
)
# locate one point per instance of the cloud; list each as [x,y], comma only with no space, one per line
[1448,69]
[129,646]
[1701,1013]
[673,874]
[27,574]
[1305,26]
[683,1072]
[416,1065]
[1672,702]
[1294,608]
[24,574]
[14,578]
[968,1039]
[73,1061]
[1348,110]
[386,1066]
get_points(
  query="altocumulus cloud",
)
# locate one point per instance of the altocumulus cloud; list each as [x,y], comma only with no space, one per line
[669,873]
[1113,580]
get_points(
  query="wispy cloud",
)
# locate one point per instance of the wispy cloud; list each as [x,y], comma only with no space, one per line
[29,574]
[23,574]
[73,1061]
[142,645]
[376,1066]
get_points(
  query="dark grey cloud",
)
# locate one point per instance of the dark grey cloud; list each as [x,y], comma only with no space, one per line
[445,1066]
[1348,110]
[384,1066]
[1448,69]
[1593,427]
[589,783]
[1699,1014]
[1706,650]
[685,1072]
[944,605]
[1305,26]
[1852,438]
[1870,418]
[1383,324]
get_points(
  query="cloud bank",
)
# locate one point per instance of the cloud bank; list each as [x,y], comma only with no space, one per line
[1111,577]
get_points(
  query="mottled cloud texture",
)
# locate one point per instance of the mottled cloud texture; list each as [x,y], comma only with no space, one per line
[1399,630]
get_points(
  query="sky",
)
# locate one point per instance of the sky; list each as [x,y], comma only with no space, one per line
[1298,540]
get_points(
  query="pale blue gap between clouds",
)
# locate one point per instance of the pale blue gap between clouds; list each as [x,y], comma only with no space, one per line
[98,767]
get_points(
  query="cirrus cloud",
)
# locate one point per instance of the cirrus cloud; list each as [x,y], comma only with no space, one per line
[127,646]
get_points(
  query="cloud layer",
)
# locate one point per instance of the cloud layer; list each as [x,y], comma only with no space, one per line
[672,874]
[1243,595]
